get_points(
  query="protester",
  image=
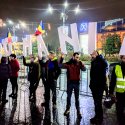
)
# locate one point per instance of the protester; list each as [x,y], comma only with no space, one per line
[98,84]
[13,79]
[117,84]
[42,62]
[52,72]
[5,73]
[73,77]
[33,76]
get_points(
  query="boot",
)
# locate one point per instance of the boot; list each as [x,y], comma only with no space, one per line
[67,111]
[79,116]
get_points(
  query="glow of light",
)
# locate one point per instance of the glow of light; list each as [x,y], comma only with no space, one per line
[77,9]
[62,14]
[23,24]
[10,22]
[4,24]
[50,9]
[66,4]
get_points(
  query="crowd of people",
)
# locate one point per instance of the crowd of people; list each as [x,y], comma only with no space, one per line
[48,69]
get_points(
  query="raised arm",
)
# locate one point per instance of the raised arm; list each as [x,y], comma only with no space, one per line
[24,62]
[82,66]
[63,65]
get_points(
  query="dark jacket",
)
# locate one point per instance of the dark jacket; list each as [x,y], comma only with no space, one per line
[5,71]
[113,78]
[98,72]
[73,69]
[34,70]
[14,67]
[52,70]
[42,63]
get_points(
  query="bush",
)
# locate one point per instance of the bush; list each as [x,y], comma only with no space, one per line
[86,57]
[112,58]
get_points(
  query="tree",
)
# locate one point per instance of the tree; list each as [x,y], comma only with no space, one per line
[113,44]
[35,48]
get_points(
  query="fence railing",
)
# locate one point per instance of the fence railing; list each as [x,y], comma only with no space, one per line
[62,80]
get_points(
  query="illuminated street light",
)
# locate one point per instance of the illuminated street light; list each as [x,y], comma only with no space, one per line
[64,11]
[66,4]
[50,8]
[10,22]
[77,9]
[23,24]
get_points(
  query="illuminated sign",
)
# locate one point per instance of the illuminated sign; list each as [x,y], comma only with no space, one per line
[83,27]
[110,22]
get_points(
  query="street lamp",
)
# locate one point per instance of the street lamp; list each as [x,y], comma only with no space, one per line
[64,11]
[66,4]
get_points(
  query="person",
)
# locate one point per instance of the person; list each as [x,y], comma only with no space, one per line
[13,79]
[117,84]
[97,84]
[42,62]
[73,66]
[5,73]
[52,72]
[33,76]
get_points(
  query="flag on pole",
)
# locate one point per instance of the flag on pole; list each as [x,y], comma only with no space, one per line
[40,29]
[9,36]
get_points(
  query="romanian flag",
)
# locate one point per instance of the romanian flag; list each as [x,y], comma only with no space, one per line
[9,36]
[40,29]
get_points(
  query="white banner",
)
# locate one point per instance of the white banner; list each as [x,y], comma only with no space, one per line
[27,45]
[0,50]
[92,37]
[74,41]
[41,46]
[122,50]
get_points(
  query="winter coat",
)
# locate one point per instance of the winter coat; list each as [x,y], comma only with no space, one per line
[34,70]
[73,69]
[5,71]
[52,70]
[14,67]
[98,72]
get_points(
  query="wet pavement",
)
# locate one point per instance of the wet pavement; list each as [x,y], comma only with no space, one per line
[23,112]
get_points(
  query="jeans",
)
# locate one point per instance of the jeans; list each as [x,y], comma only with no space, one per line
[13,81]
[3,88]
[72,85]
[97,94]
[50,85]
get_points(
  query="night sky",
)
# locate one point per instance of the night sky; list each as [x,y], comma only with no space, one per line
[35,10]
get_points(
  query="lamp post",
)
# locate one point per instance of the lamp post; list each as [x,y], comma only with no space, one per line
[64,11]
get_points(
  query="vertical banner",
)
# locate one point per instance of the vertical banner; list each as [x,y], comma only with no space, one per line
[29,40]
[122,50]
[74,41]
[41,46]
[0,50]
[92,37]
[27,45]
[7,46]
[4,43]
